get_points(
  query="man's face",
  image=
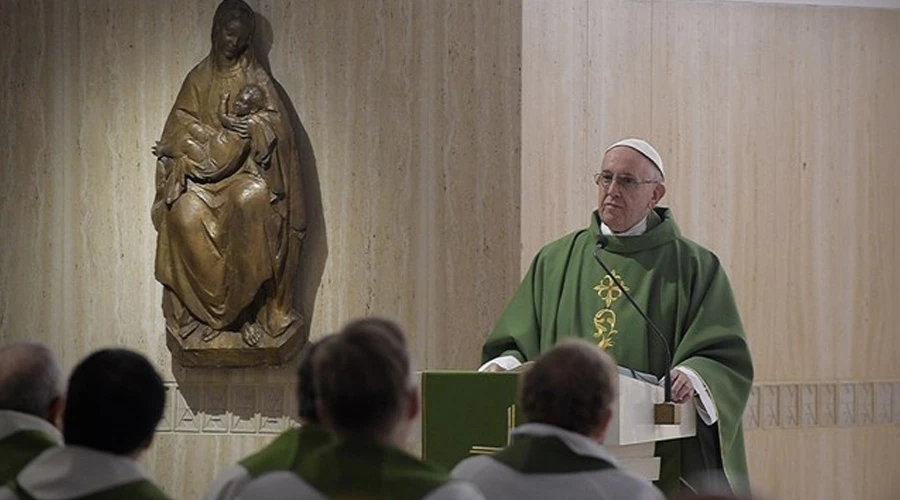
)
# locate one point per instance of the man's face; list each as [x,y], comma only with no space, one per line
[628,197]
[233,38]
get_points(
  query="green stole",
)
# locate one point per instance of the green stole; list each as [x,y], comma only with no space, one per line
[138,490]
[19,448]
[286,451]
[547,455]
[684,290]
[361,468]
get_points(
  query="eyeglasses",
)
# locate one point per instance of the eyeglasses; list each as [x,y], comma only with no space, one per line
[625,182]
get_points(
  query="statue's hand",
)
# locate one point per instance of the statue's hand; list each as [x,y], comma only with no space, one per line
[232,122]
[236,124]
[155,149]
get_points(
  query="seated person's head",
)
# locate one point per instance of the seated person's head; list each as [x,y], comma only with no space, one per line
[364,382]
[115,401]
[31,381]
[306,383]
[250,99]
[571,386]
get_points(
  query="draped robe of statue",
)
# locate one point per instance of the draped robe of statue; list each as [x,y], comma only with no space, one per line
[230,228]
[684,290]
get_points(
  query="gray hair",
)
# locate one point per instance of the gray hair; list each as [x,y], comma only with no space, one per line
[30,378]
[570,386]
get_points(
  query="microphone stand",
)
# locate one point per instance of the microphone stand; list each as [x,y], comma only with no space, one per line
[667,412]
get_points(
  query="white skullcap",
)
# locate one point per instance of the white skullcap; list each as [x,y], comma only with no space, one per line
[643,147]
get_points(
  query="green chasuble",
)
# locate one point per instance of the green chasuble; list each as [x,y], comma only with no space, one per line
[19,448]
[139,490]
[683,288]
[360,468]
[285,452]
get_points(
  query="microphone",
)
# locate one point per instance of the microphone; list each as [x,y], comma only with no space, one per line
[602,242]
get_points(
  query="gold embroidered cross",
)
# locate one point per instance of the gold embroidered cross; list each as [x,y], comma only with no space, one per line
[607,289]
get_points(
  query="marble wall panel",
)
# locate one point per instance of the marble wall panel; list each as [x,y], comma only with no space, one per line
[781,161]
[848,463]
[411,154]
[585,84]
[778,126]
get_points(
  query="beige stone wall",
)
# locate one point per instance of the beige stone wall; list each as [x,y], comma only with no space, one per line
[412,113]
[779,127]
[436,167]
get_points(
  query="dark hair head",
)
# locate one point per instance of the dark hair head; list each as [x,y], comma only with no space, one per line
[570,386]
[306,382]
[363,377]
[115,401]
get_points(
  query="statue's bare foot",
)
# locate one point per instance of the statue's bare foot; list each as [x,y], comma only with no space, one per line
[185,331]
[251,333]
[208,333]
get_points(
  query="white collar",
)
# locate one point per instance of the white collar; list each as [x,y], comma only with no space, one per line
[74,471]
[635,230]
[578,443]
[12,422]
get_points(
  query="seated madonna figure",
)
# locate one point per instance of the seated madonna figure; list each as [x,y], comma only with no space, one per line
[228,206]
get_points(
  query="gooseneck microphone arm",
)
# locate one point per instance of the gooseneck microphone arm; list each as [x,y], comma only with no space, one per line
[602,241]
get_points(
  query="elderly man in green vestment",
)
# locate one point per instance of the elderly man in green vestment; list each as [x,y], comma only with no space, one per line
[682,287]
[114,401]
[31,405]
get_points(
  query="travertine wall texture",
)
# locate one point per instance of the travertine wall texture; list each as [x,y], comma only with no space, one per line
[446,140]
[412,113]
[780,129]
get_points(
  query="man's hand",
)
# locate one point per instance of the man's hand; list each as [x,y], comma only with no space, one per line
[682,389]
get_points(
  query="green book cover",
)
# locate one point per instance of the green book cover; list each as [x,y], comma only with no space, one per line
[466,414]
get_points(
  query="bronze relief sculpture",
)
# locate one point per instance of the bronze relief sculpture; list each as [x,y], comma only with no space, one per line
[229,208]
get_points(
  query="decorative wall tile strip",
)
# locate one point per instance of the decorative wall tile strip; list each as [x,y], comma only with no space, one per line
[273,408]
[788,405]
[244,416]
[895,413]
[751,415]
[846,404]
[768,401]
[826,401]
[808,407]
[215,415]
[269,408]
[882,403]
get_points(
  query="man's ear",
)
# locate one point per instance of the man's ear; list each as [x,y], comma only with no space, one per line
[658,192]
[55,412]
[413,406]
[602,425]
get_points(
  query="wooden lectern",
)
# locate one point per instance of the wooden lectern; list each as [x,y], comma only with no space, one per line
[470,413]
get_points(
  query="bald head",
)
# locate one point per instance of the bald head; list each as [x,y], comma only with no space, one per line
[571,386]
[30,380]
